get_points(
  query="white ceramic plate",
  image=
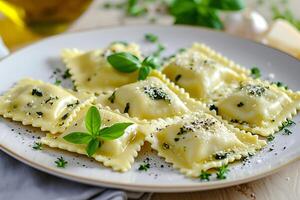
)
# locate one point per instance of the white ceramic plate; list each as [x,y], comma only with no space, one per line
[41,59]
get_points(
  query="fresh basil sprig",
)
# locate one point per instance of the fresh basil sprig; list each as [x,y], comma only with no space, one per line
[95,134]
[203,13]
[127,63]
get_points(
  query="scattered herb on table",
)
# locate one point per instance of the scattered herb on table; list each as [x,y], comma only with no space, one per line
[222,172]
[95,134]
[205,175]
[60,162]
[128,63]
[37,146]
[255,72]
[144,167]
[150,37]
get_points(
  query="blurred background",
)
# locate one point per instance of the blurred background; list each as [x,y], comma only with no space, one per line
[272,22]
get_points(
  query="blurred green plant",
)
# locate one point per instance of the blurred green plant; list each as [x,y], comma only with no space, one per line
[191,12]
[203,12]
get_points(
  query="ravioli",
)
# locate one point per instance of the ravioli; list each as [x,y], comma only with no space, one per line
[200,75]
[91,72]
[258,106]
[118,154]
[43,105]
[200,141]
[150,99]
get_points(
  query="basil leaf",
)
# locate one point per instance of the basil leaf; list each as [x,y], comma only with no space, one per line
[226,4]
[93,120]
[151,61]
[124,62]
[209,18]
[92,147]
[78,138]
[113,132]
[144,72]
[179,7]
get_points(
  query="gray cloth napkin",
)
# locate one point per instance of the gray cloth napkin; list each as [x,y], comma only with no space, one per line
[19,181]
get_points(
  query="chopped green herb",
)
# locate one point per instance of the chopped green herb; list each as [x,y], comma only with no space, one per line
[40,114]
[270,138]
[286,124]
[36,92]
[205,175]
[240,104]
[37,146]
[177,78]
[65,116]
[94,132]
[127,107]
[61,163]
[280,84]
[222,171]
[112,97]
[57,82]
[221,156]
[66,74]
[213,107]
[255,72]
[156,93]
[144,167]
[287,132]
[151,37]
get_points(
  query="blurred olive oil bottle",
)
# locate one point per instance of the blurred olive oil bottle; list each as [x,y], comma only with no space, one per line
[29,20]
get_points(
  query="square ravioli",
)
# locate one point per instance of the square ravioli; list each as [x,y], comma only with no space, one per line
[43,105]
[201,76]
[91,72]
[257,106]
[118,154]
[153,98]
[199,141]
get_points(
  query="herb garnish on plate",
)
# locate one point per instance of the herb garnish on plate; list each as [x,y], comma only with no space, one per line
[128,63]
[95,134]
[60,162]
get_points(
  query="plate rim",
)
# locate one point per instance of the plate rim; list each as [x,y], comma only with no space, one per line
[187,187]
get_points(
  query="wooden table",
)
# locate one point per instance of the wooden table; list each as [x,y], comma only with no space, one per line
[284,184]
